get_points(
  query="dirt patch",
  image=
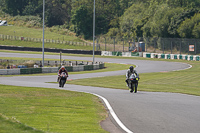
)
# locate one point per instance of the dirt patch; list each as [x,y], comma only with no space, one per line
[109,126]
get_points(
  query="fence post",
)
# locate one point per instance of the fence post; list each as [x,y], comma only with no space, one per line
[138,43]
[123,45]
[171,47]
[163,47]
[105,43]
[195,47]
[180,47]
[147,43]
[154,45]
[114,44]
[60,57]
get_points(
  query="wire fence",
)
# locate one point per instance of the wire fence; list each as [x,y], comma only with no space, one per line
[156,45]
[58,41]
[143,44]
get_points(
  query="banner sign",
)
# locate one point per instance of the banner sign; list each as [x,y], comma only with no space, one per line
[191,47]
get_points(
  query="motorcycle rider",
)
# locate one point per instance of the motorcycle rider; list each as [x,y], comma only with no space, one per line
[62,69]
[129,72]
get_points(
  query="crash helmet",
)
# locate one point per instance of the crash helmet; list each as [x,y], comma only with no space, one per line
[63,68]
[131,68]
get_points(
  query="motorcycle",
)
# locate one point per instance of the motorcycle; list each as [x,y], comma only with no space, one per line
[62,79]
[133,83]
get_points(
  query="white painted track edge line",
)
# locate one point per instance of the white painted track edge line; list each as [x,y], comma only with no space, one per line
[111,112]
[190,66]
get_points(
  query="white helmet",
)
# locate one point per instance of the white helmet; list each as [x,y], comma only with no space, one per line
[63,67]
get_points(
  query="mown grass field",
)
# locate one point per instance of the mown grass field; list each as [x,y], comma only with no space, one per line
[47,45]
[35,33]
[49,36]
[38,33]
[24,109]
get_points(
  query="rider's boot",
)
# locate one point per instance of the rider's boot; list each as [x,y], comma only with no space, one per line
[126,83]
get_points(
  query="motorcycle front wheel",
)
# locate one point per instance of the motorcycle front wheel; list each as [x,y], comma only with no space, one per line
[135,87]
[62,83]
[132,88]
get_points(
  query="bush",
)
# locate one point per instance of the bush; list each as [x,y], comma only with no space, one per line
[29,63]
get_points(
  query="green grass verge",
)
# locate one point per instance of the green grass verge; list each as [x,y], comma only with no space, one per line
[9,125]
[49,110]
[184,81]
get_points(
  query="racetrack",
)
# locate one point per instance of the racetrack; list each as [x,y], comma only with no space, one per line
[144,112]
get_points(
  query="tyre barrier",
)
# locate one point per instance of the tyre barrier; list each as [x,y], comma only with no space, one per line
[18,71]
[124,54]
[172,56]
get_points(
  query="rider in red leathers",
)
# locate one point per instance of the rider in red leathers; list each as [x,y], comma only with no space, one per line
[62,69]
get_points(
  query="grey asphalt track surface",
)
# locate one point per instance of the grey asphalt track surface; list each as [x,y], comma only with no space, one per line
[143,112]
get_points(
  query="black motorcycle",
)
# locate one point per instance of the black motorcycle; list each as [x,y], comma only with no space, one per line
[133,83]
[62,79]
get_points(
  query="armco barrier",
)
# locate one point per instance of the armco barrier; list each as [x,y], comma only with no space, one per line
[88,67]
[90,52]
[10,71]
[95,67]
[69,68]
[49,69]
[18,71]
[78,68]
[101,66]
[30,70]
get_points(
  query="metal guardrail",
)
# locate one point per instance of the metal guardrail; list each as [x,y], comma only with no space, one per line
[69,65]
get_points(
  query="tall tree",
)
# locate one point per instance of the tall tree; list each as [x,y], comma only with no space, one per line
[186,28]
[82,18]
[58,12]
[15,7]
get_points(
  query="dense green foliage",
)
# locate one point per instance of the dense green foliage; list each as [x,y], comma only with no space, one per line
[120,18]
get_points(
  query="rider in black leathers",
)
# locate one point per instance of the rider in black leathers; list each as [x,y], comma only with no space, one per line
[129,72]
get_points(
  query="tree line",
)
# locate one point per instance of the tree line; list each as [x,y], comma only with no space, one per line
[115,18]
